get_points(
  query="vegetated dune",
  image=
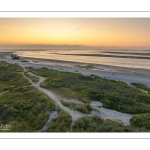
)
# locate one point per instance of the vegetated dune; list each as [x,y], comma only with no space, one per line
[121,99]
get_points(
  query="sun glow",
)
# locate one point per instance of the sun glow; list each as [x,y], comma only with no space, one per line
[76,31]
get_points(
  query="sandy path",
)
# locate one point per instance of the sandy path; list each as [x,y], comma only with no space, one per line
[4,92]
[52,115]
[110,114]
[104,113]
[56,98]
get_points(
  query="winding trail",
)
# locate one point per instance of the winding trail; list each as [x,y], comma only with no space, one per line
[4,92]
[56,98]
[99,110]
[52,115]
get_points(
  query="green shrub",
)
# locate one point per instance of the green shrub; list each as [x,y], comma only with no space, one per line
[23,107]
[141,120]
[141,86]
[89,66]
[97,124]
[65,103]
[28,108]
[60,124]
[115,95]
[84,108]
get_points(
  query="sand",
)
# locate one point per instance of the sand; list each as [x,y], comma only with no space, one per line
[124,74]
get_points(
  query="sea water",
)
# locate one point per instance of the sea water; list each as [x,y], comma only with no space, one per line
[137,59]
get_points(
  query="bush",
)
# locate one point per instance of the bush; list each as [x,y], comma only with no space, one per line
[115,95]
[141,86]
[97,124]
[141,121]
[23,107]
[84,108]
[60,124]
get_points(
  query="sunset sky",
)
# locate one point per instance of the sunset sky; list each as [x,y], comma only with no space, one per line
[99,32]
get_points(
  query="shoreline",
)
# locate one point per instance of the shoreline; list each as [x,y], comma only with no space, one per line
[100,67]
[124,74]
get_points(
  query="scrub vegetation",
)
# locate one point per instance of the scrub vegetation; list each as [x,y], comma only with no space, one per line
[26,109]
[141,86]
[11,77]
[84,108]
[97,124]
[60,124]
[89,66]
[113,94]
[141,121]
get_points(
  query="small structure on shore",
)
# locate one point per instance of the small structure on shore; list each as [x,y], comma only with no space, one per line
[14,56]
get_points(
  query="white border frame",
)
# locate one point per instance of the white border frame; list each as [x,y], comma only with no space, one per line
[72,14]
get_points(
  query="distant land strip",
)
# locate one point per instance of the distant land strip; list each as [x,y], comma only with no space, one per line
[103,55]
[143,54]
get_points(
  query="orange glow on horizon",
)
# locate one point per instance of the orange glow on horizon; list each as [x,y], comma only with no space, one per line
[76,31]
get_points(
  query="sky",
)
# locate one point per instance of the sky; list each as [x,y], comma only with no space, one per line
[96,32]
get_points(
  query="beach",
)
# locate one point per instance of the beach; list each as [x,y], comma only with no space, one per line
[125,74]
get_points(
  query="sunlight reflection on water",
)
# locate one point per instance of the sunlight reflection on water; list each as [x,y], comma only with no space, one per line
[112,61]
